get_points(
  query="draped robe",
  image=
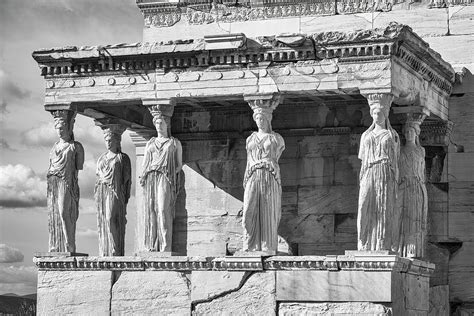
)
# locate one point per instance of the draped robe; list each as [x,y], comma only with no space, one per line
[262,195]
[65,159]
[378,222]
[112,191]
[160,171]
[412,201]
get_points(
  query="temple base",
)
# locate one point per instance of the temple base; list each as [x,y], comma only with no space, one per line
[357,283]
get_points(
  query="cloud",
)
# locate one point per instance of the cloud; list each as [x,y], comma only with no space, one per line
[87,206]
[9,254]
[10,89]
[87,179]
[87,232]
[18,279]
[45,136]
[42,136]
[4,145]
[3,107]
[20,186]
[9,92]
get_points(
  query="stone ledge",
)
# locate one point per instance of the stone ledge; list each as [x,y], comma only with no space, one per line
[362,261]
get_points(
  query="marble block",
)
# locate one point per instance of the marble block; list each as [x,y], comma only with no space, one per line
[74,292]
[151,293]
[255,295]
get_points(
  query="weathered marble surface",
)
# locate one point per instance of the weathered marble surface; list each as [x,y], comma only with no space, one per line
[161,166]
[207,285]
[262,183]
[237,285]
[256,296]
[412,199]
[74,292]
[151,292]
[439,300]
[343,308]
[112,191]
[65,160]
[378,222]
[326,286]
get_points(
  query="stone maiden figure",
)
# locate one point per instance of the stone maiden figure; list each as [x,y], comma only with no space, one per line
[112,192]
[161,166]
[412,196]
[262,195]
[378,222]
[65,160]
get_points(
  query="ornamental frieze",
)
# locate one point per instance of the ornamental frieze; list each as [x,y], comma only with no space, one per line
[166,14]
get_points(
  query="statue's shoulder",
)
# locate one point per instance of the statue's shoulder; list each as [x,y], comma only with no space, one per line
[175,141]
[78,146]
[277,135]
[125,157]
[250,137]
[150,141]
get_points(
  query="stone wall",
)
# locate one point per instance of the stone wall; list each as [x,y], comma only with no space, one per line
[319,171]
[368,283]
[460,215]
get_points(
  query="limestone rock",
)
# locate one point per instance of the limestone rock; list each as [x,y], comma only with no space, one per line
[74,292]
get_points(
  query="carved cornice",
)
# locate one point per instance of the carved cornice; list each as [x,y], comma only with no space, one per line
[126,63]
[236,263]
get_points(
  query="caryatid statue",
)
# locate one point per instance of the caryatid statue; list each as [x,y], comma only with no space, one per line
[378,220]
[65,160]
[161,166]
[262,183]
[112,191]
[412,196]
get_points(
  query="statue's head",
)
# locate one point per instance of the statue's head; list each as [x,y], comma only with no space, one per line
[64,123]
[378,115]
[411,130]
[162,124]
[162,118]
[380,108]
[263,120]
[113,137]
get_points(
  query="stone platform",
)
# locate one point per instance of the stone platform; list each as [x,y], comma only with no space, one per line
[356,283]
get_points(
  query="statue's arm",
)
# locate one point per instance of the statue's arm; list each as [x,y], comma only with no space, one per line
[80,156]
[146,162]
[179,153]
[281,145]
[423,166]
[127,176]
[362,155]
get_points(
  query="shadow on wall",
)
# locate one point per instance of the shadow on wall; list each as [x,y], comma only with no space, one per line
[180,233]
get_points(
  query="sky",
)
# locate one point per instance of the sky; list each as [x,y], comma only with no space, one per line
[27,133]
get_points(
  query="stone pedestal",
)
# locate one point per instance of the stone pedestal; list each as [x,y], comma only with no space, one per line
[356,283]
